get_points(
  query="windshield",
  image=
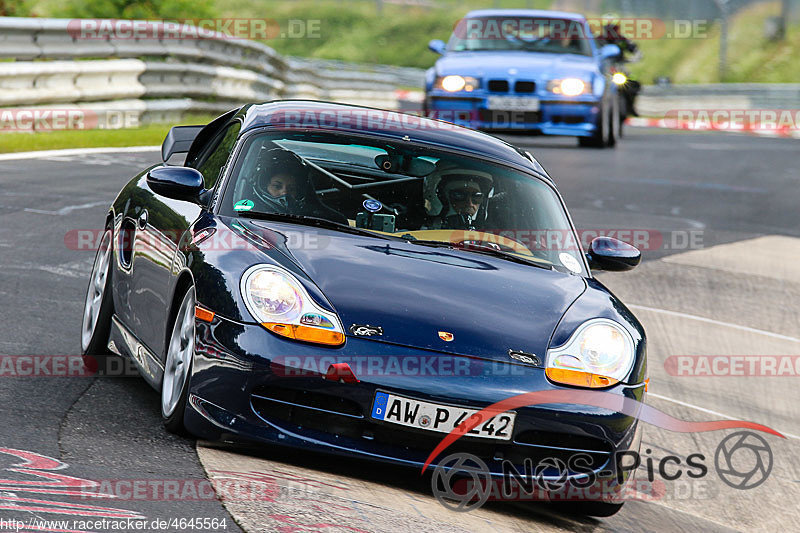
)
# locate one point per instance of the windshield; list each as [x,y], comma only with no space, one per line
[555,36]
[400,190]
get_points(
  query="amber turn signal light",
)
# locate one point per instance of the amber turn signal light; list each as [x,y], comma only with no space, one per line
[203,314]
[306,333]
[580,379]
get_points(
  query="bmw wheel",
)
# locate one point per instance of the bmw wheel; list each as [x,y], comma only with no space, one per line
[604,133]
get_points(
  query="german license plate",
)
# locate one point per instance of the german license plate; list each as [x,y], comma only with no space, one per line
[439,418]
[512,103]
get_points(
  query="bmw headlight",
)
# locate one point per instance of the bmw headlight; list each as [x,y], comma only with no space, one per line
[281,304]
[599,354]
[569,87]
[455,83]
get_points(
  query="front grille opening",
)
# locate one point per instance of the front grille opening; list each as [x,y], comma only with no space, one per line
[563,440]
[498,86]
[568,119]
[505,119]
[304,399]
[525,87]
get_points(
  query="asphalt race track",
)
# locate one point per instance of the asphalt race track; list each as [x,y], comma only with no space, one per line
[718,218]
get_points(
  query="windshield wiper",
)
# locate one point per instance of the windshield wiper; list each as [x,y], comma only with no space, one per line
[313,221]
[482,250]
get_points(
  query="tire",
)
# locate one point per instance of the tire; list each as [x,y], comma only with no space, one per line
[98,307]
[604,135]
[596,509]
[178,365]
[616,125]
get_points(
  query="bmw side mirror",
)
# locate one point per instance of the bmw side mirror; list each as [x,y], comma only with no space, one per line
[606,253]
[437,45]
[610,51]
[178,183]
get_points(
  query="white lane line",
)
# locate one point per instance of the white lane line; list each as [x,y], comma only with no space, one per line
[716,322]
[711,412]
[78,151]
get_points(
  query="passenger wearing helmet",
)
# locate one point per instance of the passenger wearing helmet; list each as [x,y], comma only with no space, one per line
[463,197]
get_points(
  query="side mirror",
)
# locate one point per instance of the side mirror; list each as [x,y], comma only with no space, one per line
[437,45]
[610,51]
[178,183]
[606,253]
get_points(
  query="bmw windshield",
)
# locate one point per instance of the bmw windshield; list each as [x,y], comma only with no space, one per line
[401,191]
[555,36]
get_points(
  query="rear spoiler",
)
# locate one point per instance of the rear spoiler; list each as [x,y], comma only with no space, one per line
[179,140]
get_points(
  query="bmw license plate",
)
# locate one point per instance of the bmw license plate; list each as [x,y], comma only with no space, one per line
[512,103]
[440,418]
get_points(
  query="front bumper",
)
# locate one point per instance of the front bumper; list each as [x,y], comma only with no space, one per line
[574,117]
[237,394]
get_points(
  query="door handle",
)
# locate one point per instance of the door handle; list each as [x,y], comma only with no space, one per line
[142,222]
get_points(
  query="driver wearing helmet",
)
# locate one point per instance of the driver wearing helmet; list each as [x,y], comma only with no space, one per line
[279,177]
[463,197]
[283,184]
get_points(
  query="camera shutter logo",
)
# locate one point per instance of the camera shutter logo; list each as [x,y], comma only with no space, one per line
[743,460]
[461,467]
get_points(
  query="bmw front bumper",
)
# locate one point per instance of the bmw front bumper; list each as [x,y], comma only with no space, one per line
[556,116]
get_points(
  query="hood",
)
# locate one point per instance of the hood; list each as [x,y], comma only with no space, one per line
[529,65]
[413,292]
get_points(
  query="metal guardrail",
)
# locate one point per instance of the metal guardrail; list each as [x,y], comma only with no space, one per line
[656,100]
[54,64]
[162,77]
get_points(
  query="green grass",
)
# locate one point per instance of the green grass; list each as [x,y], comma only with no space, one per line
[354,31]
[149,135]
[751,57]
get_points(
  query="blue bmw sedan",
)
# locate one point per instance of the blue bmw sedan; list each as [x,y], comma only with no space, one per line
[541,72]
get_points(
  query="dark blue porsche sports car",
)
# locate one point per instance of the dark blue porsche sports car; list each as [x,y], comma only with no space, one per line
[356,281]
[541,72]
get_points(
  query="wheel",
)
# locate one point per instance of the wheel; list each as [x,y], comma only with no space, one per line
[98,307]
[616,124]
[597,509]
[604,134]
[178,365]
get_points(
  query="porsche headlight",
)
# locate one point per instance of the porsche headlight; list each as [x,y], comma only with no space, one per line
[619,78]
[599,354]
[569,87]
[454,83]
[281,304]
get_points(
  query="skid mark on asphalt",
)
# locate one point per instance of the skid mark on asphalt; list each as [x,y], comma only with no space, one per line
[76,269]
[66,209]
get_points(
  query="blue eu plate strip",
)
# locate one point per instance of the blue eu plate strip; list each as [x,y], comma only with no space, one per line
[379,406]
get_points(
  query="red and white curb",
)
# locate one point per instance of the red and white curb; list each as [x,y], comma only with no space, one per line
[673,124]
